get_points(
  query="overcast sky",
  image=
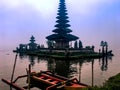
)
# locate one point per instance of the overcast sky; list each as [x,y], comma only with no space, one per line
[91,20]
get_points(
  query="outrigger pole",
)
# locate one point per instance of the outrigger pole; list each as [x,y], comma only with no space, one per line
[14,67]
[13,70]
[11,83]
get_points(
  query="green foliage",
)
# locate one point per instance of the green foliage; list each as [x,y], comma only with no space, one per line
[113,83]
[75,45]
[50,43]
[80,44]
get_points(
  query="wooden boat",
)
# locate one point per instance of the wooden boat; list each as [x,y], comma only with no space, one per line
[52,81]
[47,81]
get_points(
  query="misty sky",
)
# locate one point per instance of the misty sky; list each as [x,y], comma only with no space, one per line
[91,20]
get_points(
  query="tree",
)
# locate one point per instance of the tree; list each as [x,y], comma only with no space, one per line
[50,44]
[42,46]
[80,44]
[75,45]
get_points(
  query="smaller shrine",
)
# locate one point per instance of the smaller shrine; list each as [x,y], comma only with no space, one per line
[32,45]
[28,47]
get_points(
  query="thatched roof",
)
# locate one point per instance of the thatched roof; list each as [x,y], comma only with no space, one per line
[62,37]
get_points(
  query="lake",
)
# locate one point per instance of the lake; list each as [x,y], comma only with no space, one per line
[88,71]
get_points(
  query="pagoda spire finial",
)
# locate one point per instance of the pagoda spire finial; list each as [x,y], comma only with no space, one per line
[62,0]
[62,25]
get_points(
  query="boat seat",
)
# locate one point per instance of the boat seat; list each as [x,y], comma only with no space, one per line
[48,79]
[43,78]
[54,82]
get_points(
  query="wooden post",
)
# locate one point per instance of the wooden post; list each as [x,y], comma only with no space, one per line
[80,66]
[29,72]
[92,72]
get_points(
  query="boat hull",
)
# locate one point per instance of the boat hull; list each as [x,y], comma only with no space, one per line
[48,81]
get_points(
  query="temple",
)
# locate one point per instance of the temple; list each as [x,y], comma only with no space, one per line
[31,46]
[59,44]
[62,35]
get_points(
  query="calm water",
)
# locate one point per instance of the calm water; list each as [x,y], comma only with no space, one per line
[88,71]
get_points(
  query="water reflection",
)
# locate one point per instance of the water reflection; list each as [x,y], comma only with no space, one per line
[32,60]
[71,68]
[22,56]
[104,62]
[63,68]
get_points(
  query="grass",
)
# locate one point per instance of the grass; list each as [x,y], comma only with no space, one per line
[113,83]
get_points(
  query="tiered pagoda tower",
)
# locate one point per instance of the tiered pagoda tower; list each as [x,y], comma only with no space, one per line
[62,35]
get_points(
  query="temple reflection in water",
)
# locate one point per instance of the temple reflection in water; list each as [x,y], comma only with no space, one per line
[70,68]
